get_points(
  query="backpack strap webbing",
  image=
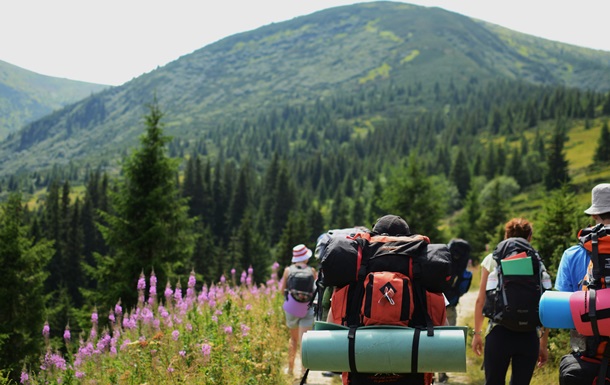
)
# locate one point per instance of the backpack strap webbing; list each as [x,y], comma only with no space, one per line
[415,350]
[592,313]
[304,379]
[422,299]
[603,367]
[351,349]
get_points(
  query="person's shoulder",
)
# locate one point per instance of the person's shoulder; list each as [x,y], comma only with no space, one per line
[574,251]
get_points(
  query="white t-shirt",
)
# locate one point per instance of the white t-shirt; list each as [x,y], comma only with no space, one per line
[489,263]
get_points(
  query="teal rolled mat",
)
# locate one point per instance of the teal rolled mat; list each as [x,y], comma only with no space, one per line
[385,349]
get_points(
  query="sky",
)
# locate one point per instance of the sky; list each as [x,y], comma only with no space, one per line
[113,41]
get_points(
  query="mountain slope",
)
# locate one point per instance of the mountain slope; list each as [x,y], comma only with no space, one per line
[340,50]
[26,96]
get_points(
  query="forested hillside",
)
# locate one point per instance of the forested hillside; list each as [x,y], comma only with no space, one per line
[453,147]
[374,61]
[26,96]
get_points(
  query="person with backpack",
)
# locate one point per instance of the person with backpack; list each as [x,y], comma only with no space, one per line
[380,297]
[512,273]
[576,273]
[298,285]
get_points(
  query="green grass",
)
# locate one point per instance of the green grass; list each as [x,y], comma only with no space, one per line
[225,334]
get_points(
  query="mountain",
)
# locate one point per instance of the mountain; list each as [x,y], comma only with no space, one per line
[26,96]
[335,53]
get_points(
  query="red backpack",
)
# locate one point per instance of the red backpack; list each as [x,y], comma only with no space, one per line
[387,280]
[591,366]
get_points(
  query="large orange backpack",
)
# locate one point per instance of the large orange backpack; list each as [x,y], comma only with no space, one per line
[390,286]
[597,346]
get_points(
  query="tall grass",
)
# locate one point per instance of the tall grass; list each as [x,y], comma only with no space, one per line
[228,333]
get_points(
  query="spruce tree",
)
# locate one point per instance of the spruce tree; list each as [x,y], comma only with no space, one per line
[410,194]
[557,165]
[148,228]
[460,173]
[602,152]
[556,226]
[21,290]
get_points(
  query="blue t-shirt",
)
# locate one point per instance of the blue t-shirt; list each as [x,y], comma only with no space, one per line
[572,269]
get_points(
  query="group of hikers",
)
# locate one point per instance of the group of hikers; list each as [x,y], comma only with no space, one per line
[390,276]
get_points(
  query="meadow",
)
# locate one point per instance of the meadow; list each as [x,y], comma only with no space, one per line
[228,333]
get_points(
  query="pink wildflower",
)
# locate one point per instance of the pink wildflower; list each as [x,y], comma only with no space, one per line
[206,349]
[94,317]
[46,330]
[118,310]
[141,282]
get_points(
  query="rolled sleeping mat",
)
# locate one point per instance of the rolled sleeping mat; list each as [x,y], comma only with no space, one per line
[591,305]
[386,349]
[554,310]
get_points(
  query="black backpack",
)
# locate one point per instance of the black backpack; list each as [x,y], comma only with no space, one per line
[514,302]
[301,283]
[461,278]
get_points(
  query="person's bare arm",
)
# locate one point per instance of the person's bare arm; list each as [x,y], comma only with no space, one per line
[477,338]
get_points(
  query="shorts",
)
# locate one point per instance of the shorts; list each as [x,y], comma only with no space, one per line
[297,322]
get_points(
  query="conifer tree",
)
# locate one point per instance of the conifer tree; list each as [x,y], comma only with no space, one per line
[557,165]
[558,225]
[253,249]
[21,290]
[284,193]
[468,226]
[410,194]
[148,228]
[602,152]
[493,215]
[460,174]
[606,105]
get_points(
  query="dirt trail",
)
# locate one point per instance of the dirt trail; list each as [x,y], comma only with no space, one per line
[465,309]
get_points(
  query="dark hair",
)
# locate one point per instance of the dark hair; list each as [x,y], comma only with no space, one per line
[518,228]
[604,216]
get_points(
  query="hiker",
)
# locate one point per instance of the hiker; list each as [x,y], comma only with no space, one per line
[459,284]
[503,345]
[574,272]
[297,307]
[373,303]
[575,260]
